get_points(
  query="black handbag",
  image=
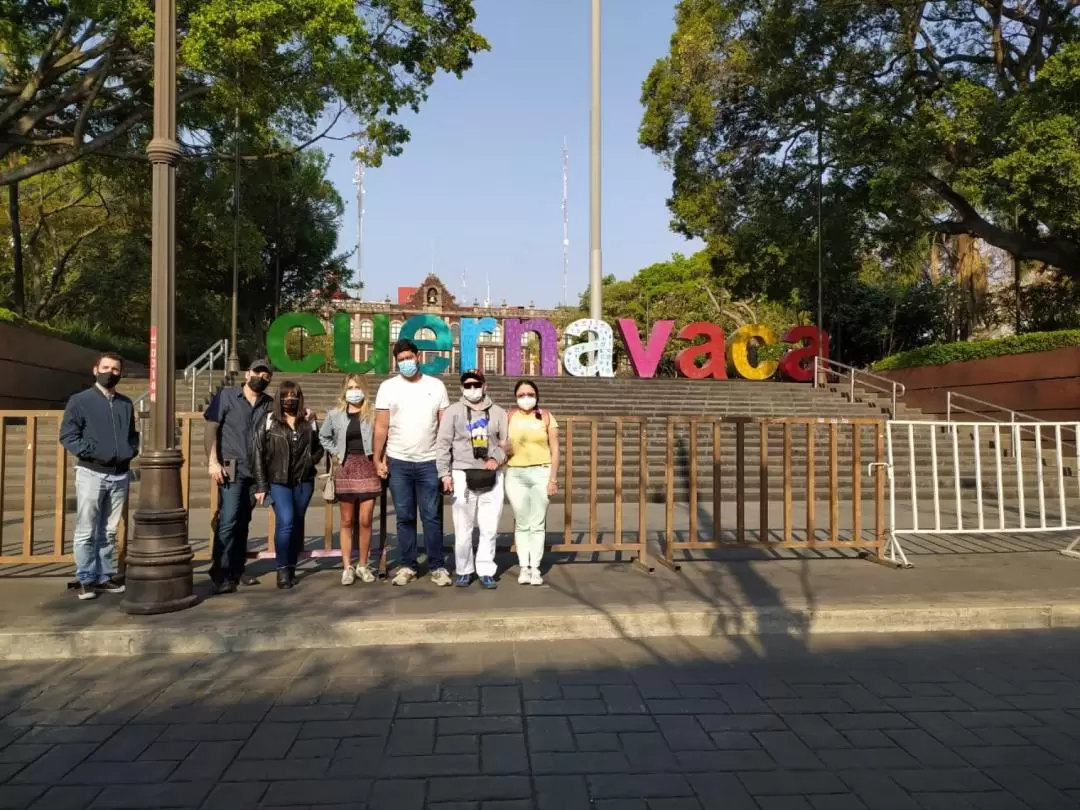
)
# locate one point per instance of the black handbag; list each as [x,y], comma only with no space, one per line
[480,481]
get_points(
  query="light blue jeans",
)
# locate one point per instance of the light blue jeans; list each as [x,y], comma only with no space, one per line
[526,489]
[99,505]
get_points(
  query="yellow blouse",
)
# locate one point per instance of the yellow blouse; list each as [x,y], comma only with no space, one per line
[529,440]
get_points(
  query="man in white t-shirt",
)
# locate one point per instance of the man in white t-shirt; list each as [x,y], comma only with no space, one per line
[408,408]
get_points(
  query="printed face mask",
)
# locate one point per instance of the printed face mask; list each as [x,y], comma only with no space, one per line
[526,403]
[354,396]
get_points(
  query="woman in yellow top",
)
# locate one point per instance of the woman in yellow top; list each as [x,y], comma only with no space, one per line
[532,476]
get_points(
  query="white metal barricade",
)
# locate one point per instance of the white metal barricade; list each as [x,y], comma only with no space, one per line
[983,478]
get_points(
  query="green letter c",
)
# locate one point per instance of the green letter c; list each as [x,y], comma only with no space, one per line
[275,342]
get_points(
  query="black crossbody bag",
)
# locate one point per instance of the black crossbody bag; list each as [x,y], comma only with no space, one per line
[481,481]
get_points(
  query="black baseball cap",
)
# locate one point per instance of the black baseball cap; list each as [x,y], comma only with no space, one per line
[261,365]
[473,374]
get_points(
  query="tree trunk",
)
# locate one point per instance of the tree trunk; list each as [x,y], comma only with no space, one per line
[18,278]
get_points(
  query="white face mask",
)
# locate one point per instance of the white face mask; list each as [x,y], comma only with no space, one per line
[526,403]
[473,394]
[354,396]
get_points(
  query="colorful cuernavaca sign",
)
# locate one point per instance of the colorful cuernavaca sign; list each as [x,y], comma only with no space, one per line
[594,357]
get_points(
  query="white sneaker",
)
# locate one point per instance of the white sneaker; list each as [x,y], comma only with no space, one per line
[364,573]
[535,578]
[348,576]
[441,578]
[403,576]
[525,576]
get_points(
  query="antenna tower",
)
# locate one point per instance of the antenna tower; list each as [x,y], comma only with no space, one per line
[565,219]
[358,181]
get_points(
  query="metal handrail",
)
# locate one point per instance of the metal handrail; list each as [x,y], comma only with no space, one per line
[866,379]
[204,362]
[1015,417]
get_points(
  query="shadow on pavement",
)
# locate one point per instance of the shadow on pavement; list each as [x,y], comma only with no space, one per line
[915,722]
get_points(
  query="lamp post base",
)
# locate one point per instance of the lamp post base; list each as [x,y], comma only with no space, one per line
[158,576]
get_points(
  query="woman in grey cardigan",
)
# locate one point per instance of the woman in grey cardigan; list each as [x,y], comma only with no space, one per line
[347,436]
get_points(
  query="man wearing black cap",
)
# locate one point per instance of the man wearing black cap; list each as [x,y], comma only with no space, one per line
[231,418]
[469,452]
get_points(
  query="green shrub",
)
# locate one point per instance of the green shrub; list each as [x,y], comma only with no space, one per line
[942,353]
[83,335]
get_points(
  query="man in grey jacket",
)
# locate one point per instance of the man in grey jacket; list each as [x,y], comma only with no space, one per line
[469,453]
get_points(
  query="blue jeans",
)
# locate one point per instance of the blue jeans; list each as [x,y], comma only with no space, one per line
[416,484]
[290,506]
[236,500]
[99,505]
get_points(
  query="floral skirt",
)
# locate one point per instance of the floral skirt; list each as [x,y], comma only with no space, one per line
[357,479]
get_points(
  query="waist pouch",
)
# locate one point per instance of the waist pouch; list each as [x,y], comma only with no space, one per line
[480,480]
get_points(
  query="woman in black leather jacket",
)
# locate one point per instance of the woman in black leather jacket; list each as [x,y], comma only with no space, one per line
[285,456]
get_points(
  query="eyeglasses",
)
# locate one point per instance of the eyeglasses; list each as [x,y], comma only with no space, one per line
[472,385]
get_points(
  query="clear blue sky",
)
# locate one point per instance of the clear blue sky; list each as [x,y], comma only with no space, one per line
[479,187]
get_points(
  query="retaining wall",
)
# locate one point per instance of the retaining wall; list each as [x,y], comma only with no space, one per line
[1042,384]
[38,371]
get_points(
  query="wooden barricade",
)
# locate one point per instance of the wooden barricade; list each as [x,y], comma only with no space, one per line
[744,433]
[571,427]
[39,433]
[41,430]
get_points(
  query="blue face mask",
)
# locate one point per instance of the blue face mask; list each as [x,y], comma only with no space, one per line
[408,368]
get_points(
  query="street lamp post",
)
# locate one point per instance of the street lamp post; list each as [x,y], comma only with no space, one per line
[820,240]
[158,574]
[233,362]
[596,273]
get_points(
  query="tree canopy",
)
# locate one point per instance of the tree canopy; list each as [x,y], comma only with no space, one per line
[261,79]
[76,76]
[946,116]
[86,247]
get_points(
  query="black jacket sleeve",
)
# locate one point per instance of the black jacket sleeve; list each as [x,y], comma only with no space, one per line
[317,451]
[260,449]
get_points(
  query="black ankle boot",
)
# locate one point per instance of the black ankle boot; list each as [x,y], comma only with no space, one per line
[283,580]
[292,574]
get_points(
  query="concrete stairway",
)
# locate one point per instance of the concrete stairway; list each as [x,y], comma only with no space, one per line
[649,400]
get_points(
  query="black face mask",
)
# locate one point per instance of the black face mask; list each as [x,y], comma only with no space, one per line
[290,405]
[258,384]
[107,379]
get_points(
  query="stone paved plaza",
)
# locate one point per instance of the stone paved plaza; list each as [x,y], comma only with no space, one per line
[908,721]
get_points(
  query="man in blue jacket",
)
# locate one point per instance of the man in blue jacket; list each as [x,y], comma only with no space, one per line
[99,430]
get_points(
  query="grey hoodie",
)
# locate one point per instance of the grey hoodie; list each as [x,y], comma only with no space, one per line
[453,447]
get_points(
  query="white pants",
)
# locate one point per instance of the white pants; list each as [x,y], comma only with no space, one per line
[471,510]
[526,489]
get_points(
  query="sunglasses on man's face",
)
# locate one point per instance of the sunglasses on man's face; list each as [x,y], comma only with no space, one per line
[472,385]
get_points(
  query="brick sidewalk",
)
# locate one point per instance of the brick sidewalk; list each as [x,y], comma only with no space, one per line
[755,599]
[923,722]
